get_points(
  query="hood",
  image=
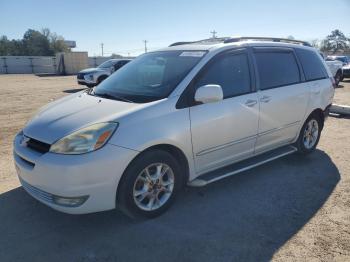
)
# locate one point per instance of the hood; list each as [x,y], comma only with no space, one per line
[91,70]
[74,112]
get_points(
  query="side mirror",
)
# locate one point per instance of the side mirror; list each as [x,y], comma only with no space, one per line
[209,94]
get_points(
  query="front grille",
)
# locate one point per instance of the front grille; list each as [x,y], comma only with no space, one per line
[36,192]
[80,76]
[38,146]
[346,71]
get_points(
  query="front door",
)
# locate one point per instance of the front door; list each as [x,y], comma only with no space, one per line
[225,131]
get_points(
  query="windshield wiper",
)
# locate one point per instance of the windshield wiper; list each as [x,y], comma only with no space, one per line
[114,97]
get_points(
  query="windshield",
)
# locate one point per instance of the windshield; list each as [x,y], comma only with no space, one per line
[149,77]
[106,64]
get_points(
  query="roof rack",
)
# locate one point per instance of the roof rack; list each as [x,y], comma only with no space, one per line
[243,38]
[272,39]
[203,41]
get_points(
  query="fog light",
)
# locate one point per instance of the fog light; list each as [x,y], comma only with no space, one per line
[69,201]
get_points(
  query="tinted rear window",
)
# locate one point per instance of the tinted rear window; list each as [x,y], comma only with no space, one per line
[312,65]
[277,69]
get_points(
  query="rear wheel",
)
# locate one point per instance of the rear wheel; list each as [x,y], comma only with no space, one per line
[309,135]
[149,185]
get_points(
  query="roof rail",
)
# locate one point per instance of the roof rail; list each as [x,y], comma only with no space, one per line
[180,43]
[203,41]
[273,39]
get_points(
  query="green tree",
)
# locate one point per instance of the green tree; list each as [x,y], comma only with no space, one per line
[36,44]
[335,42]
[4,46]
[57,43]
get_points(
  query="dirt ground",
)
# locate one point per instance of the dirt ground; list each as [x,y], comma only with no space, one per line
[293,209]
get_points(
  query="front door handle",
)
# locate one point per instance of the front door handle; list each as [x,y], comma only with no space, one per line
[251,102]
[265,99]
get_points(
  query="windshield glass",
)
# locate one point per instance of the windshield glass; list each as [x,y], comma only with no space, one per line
[106,64]
[342,59]
[149,77]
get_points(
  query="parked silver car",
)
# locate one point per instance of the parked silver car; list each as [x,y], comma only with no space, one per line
[192,113]
[93,76]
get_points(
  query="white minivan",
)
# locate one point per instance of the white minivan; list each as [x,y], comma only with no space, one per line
[192,113]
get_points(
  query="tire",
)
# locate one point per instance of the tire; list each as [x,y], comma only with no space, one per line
[101,79]
[309,135]
[139,205]
[338,77]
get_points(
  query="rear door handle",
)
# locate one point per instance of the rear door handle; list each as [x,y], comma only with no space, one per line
[265,99]
[251,102]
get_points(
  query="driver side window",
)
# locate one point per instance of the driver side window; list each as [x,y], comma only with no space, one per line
[231,72]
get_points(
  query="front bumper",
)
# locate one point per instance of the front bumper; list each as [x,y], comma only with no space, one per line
[93,175]
[84,80]
[346,72]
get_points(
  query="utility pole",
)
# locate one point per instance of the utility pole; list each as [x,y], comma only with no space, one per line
[102,48]
[213,33]
[145,41]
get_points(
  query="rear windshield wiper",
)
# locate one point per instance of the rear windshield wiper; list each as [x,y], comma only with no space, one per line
[114,97]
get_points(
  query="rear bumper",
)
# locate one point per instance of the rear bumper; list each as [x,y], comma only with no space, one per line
[91,177]
[326,111]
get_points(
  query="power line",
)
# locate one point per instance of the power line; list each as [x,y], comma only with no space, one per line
[145,41]
[102,48]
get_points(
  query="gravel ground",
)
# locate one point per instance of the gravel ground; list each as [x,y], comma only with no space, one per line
[293,209]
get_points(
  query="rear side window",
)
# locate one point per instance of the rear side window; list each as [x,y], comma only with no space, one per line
[231,72]
[277,69]
[312,65]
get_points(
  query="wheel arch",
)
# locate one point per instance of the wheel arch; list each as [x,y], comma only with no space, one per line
[101,77]
[320,114]
[176,152]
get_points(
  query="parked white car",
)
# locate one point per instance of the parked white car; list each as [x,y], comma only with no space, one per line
[188,114]
[336,68]
[345,62]
[94,76]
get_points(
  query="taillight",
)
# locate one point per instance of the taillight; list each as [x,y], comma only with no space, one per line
[333,82]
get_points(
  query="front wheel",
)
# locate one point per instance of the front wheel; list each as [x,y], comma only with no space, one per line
[338,78]
[101,79]
[309,135]
[149,185]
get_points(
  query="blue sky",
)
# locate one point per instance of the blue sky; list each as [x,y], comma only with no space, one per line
[123,25]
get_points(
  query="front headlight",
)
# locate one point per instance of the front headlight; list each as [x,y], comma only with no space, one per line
[85,140]
[89,77]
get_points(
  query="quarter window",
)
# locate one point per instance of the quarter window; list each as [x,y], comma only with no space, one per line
[231,72]
[312,65]
[277,69]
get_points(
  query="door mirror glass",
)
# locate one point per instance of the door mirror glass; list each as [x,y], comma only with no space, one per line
[209,94]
